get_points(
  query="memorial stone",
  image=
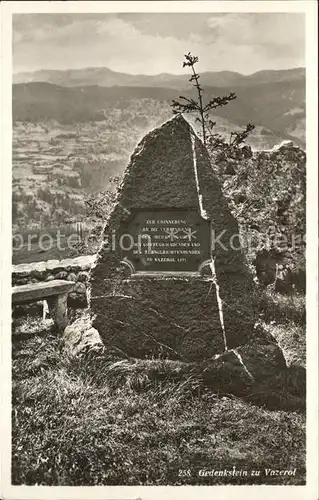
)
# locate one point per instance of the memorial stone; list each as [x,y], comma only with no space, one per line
[169,281]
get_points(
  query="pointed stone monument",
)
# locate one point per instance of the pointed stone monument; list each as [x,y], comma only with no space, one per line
[169,280]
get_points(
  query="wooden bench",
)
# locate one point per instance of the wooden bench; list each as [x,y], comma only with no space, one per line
[55,292]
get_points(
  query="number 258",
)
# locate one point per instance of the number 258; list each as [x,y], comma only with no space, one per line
[184,472]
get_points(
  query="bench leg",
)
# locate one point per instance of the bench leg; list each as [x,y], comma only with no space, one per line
[45,310]
[59,311]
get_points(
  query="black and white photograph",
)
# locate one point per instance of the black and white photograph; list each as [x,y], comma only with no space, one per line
[156,188]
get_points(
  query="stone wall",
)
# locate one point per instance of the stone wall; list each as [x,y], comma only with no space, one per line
[76,269]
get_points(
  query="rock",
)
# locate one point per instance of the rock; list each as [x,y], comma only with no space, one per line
[80,288]
[21,281]
[169,309]
[21,271]
[221,157]
[299,279]
[62,275]
[262,360]
[71,277]
[58,270]
[246,151]
[83,276]
[238,370]
[229,170]
[71,265]
[77,301]
[49,278]
[286,144]
[265,263]
[80,337]
[284,281]
[52,265]
[75,268]
[85,262]
[262,335]
[239,197]
[226,373]
[39,271]
[283,144]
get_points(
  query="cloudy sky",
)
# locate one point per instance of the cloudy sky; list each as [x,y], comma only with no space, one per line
[155,43]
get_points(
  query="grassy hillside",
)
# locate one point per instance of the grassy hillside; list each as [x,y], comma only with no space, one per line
[44,101]
[99,422]
[278,106]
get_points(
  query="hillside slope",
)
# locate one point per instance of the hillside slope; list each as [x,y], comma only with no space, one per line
[279,107]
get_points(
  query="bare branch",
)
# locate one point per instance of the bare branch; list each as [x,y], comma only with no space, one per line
[190,105]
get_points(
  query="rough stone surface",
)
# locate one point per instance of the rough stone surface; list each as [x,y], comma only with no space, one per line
[59,311]
[262,360]
[76,270]
[71,277]
[226,373]
[77,300]
[266,263]
[49,278]
[172,317]
[53,265]
[83,276]
[80,288]
[82,263]
[240,369]
[38,271]
[177,319]
[80,338]
[22,281]
[62,275]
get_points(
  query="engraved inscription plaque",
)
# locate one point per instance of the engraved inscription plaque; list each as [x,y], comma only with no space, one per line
[172,240]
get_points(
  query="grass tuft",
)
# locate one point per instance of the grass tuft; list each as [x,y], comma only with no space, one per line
[96,421]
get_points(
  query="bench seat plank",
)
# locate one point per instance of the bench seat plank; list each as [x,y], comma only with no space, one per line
[40,291]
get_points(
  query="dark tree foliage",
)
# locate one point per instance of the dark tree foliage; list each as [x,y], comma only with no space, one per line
[99,205]
[237,138]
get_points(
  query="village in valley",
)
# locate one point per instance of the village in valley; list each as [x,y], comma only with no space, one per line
[56,167]
[60,163]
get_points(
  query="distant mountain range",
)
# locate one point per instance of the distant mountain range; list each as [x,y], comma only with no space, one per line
[105,77]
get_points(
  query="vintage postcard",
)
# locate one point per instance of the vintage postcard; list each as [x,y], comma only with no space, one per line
[159,250]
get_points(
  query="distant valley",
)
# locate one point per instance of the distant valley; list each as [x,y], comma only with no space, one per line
[274,100]
[74,130]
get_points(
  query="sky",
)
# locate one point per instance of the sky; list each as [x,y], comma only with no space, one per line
[156,43]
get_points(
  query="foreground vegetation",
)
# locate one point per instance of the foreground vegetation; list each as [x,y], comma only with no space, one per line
[97,422]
